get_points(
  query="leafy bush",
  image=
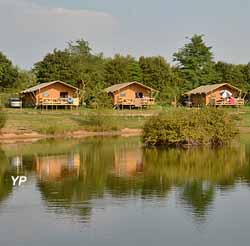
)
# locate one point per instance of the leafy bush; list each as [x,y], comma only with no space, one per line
[190,127]
[2,118]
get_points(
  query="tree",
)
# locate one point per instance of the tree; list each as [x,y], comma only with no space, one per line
[56,66]
[75,65]
[8,73]
[120,69]
[25,79]
[237,75]
[79,47]
[157,73]
[195,61]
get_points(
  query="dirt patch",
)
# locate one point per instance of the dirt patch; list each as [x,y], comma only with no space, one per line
[244,129]
[13,137]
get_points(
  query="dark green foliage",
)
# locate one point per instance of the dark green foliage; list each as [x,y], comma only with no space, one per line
[195,61]
[79,66]
[237,75]
[189,127]
[80,47]
[121,69]
[74,65]
[8,73]
[58,65]
[25,79]
[3,118]
[157,73]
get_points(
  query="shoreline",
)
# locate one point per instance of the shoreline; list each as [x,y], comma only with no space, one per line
[33,136]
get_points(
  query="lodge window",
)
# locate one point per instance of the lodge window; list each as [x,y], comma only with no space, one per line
[45,94]
[122,94]
[64,94]
[138,95]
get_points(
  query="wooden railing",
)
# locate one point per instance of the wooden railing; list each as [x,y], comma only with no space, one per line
[137,102]
[237,102]
[58,101]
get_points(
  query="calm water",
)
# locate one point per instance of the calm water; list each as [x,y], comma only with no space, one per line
[112,191]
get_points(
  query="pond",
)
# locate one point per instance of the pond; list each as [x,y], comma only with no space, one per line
[113,191]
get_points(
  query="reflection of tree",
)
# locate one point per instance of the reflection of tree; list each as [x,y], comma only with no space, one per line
[142,186]
[219,166]
[197,172]
[73,193]
[5,180]
[199,196]
[119,167]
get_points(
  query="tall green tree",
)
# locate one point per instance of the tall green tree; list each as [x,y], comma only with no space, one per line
[57,65]
[25,79]
[79,47]
[120,69]
[237,75]
[157,73]
[195,61]
[75,65]
[8,73]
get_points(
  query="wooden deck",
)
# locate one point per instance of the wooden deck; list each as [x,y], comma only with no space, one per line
[57,102]
[238,102]
[135,102]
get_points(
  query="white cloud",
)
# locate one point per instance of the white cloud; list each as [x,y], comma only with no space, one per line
[29,31]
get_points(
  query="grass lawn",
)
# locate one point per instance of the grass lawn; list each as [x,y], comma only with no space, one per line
[61,121]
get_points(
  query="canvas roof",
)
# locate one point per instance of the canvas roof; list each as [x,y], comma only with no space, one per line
[117,87]
[205,89]
[42,85]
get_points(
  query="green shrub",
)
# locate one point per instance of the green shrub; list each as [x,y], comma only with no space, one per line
[3,118]
[190,127]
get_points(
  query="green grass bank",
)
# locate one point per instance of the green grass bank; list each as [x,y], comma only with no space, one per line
[49,122]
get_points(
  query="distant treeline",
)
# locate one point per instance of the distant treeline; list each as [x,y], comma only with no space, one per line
[194,65]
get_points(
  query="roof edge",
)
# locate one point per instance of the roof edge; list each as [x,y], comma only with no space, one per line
[218,86]
[126,84]
[45,84]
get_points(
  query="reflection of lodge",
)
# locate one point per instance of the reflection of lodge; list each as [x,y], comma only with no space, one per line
[17,162]
[57,166]
[194,180]
[128,163]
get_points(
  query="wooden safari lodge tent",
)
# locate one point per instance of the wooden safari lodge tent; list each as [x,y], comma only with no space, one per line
[51,94]
[131,94]
[213,95]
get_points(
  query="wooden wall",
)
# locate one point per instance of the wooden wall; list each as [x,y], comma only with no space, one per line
[202,99]
[217,95]
[53,91]
[130,91]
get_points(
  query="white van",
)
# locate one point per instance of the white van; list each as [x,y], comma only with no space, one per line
[15,102]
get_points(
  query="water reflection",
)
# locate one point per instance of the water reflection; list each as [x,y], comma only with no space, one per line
[56,167]
[5,183]
[72,174]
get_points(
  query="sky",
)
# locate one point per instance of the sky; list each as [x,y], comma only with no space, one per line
[32,28]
